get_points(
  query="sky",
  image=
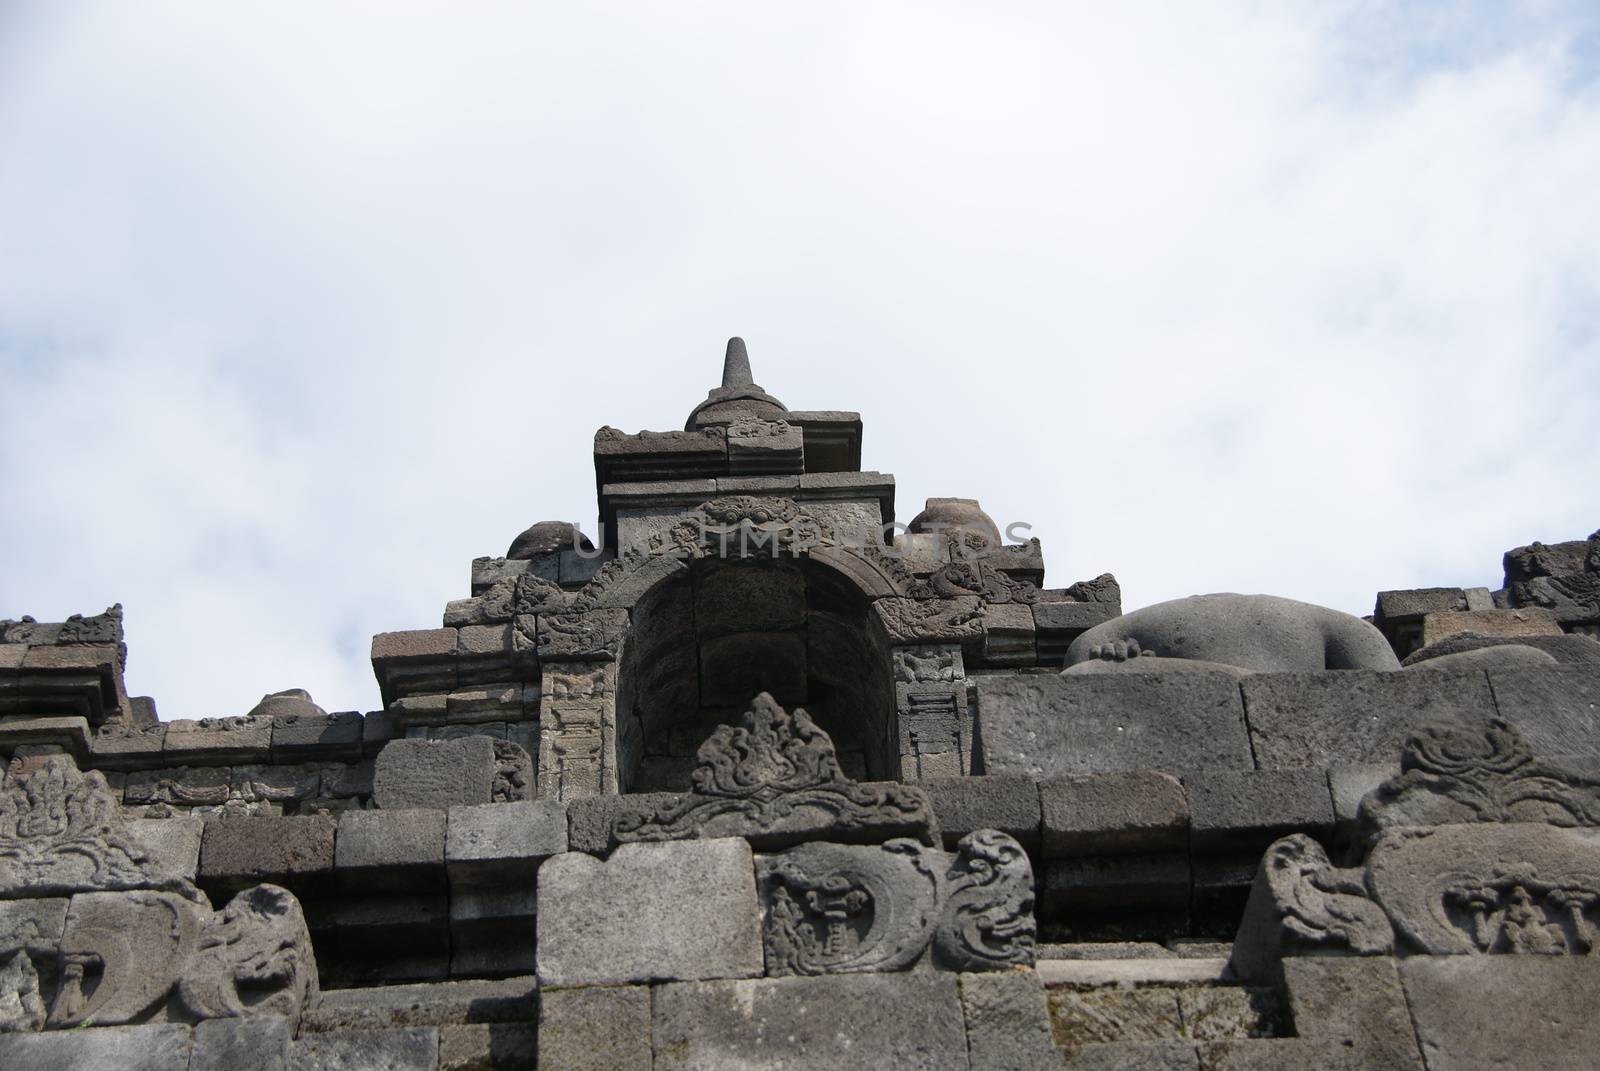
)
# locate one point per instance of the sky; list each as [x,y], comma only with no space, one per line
[305,306]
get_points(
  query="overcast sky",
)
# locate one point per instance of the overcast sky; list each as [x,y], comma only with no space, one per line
[303,309]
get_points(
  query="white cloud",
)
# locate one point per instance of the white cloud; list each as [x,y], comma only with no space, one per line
[301,309]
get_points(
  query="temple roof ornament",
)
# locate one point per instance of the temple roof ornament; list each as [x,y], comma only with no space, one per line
[739,396]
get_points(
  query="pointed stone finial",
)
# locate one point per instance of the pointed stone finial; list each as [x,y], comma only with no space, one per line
[736,365]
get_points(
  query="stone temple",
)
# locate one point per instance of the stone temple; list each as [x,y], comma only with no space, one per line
[758,778]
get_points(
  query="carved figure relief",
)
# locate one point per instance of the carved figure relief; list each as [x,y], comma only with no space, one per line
[978,578]
[931,620]
[772,776]
[922,665]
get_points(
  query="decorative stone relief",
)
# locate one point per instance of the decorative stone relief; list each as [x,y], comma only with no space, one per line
[931,620]
[596,634]
[129,956]
[61,831]
[21,1006]
[571,748]
[924,665]
[1455,773]
[1309,903]
[513,773]
[775,779]
[835,908]
[963,578]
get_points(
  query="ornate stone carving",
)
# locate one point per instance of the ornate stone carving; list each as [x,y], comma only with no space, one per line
[1458,773]
[1302,902]
[580,636]
[835,908]
[61,831]
[572,748]
[513,773]
[101,628]
[957,579]
[536,595]
[128,956]
[21,1006]
[931,620]
[579,680]
[921,665]
[987,918]
[1473,890]
[775,779]
[756,428]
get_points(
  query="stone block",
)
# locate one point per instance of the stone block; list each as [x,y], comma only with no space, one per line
[486,572]
[1114,814]
[1528,621]
[297,853]
[298,737]
[190,786]
[1217,1013]
[217,741]
[1009,803]
[1101,1016]
[174,843]
[503,842]
[69,732]
[651,912]
[1276,1054]
[391,849]
[35,926]
[154,1047]
[1556,708]
[493,929]
[597,1028]
[488,1047]
[889,1021]
[1220,887]
[1504,1011]
[508,1000]
[579,568]
[384,936]
[256,1043]
[1354,999]
[1153,884]
[1008,1022]
[1246,810]
[1567,650]
[434,773]
[1135,1056]
[1057,624]
[367,1050]
[1054,724]
[119,747]
[1348,785]
[1008,635]
[1353,717]
[414,644]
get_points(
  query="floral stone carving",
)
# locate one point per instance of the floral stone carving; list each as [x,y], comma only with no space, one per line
[775,780]
[835,908]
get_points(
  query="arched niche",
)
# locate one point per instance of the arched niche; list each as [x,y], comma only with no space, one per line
[708,638]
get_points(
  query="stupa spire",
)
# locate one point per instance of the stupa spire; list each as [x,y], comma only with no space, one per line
[739,396]
[736,365]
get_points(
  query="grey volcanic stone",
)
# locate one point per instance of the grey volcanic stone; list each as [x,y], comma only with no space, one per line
[1256,632]
[1135,1056]
[1322,719]
[1356,999]
[434,773]
[1114,814]
[503,841]
[1556,708]
[488,1046]
[1009,803]
[596,1028]
[1568,650]
[291,702]
[174,842]
[887,1022]
[1057,724]
[1246,810]
[393,848]
[1008,1022]
[257,1043]
[156,1047]
[294,852]
[297,737]
[1503,656]
[367,1050]
[1504,1011]
[508,1000]
[684,910]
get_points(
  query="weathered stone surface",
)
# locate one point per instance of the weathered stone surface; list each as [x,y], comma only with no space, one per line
[957,620]
[185,785]
[259,1043]
[1504,1011]
[1155,883]
[1134,1056]
[434,773]
[367,1050]
[172,843]
[1214,1013]
[163,954]
[488,1046]
[61,831]
[155,1047]
[1275,1054]
[33,926]
[1556,708]
[1320,719]
[1232,810]
[217,741]
[124,747]
[596,1028]
[493,929]
[507,1000]
[775,780]
[896,1022]
[1113,1015]
[963,805]
[1567,650]
[1504,656]
[297,851]
[1008,1022]
[1261,633]
[651,912]
[1059,724]
[401,848]
[1354,1000]
[316,736]
[595,635]
[503,841]
[1114,814]
[1529,621]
